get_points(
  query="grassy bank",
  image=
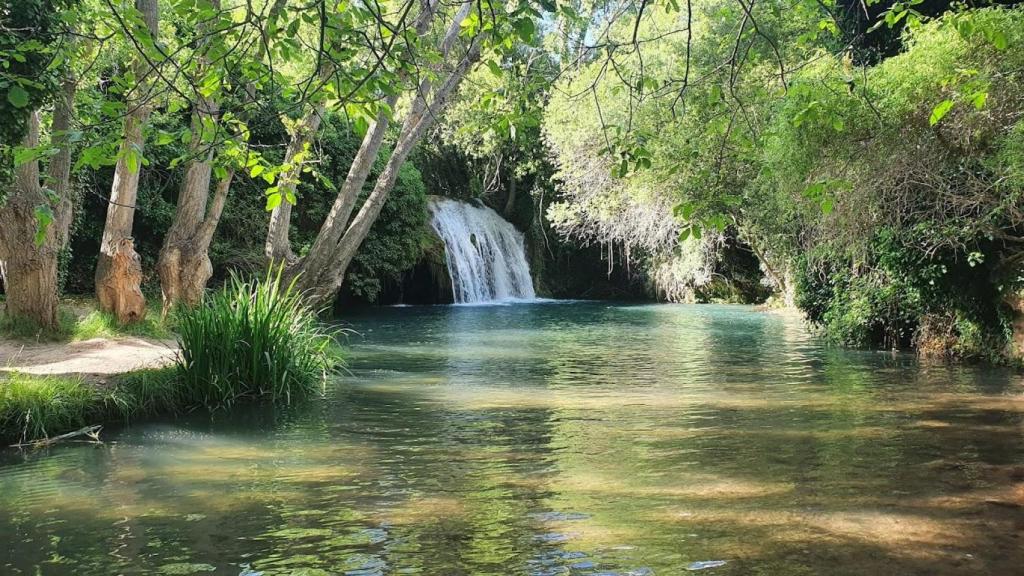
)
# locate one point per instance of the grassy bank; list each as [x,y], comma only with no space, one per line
[78,321]
[34,407]
[252,341]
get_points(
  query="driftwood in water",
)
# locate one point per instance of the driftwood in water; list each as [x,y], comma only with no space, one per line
[93,432]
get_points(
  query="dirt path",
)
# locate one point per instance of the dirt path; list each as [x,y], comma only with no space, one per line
[93,359]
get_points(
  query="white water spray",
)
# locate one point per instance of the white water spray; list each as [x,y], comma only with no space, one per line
[485,253]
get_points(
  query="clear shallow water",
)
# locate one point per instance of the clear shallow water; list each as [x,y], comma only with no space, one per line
[555,439]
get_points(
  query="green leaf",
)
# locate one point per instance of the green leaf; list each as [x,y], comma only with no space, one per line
[256,170]
[131,159]
[979,99]
[24,155]
[273,201]
[44,217]
[525,29]
[999,40]
[940,111]
[814,190]
[17,96]
[827,204]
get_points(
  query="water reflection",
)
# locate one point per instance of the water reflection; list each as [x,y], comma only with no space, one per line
[555,439]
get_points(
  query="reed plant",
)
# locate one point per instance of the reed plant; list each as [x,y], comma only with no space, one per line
[254,339]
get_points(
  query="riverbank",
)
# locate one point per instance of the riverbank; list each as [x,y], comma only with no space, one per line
[91,373]
[37,407]
[252,341]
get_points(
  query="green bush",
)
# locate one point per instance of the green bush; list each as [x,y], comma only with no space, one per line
[898,295]
[254,340]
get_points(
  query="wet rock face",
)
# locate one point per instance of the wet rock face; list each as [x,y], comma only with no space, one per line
[428,282]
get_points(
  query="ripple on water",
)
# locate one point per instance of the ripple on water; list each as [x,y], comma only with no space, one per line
[577,439]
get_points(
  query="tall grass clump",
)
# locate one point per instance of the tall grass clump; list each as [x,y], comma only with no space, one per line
[254,339]
[34,407]
[37,406]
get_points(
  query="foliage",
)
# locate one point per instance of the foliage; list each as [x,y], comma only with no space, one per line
[874,189]
[254,340]
[35,407]
[29,50]
[912,175]
[74,327]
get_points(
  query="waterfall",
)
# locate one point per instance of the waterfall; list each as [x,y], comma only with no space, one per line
[485,253]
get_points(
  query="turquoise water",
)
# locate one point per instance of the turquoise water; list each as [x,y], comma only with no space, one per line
[578,438]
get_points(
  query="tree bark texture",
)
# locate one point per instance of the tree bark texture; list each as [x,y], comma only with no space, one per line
[184,264]
[118,286]
[30,270]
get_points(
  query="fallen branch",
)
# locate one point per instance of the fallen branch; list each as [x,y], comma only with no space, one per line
[93,432]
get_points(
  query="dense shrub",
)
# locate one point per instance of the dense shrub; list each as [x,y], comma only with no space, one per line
[897,295]
[254,340]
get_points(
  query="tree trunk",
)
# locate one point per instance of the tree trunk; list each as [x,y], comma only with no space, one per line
[184,264]
[119,268]
[334,225]
[510,202]
[321,286]
[30,269]
[278,247]
[1016,303]
[320,273]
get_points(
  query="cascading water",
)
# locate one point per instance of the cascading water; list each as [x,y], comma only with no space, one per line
[485,253]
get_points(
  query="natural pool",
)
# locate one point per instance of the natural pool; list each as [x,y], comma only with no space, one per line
[579,438]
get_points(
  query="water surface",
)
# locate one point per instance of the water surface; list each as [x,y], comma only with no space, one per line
[546,439]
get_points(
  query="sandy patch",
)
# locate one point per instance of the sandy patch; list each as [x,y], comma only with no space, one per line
[93,359]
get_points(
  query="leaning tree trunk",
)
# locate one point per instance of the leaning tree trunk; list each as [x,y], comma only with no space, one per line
[119,268]
[30,266]
[322,285]
[278,247]
[320,274]
[334,225]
